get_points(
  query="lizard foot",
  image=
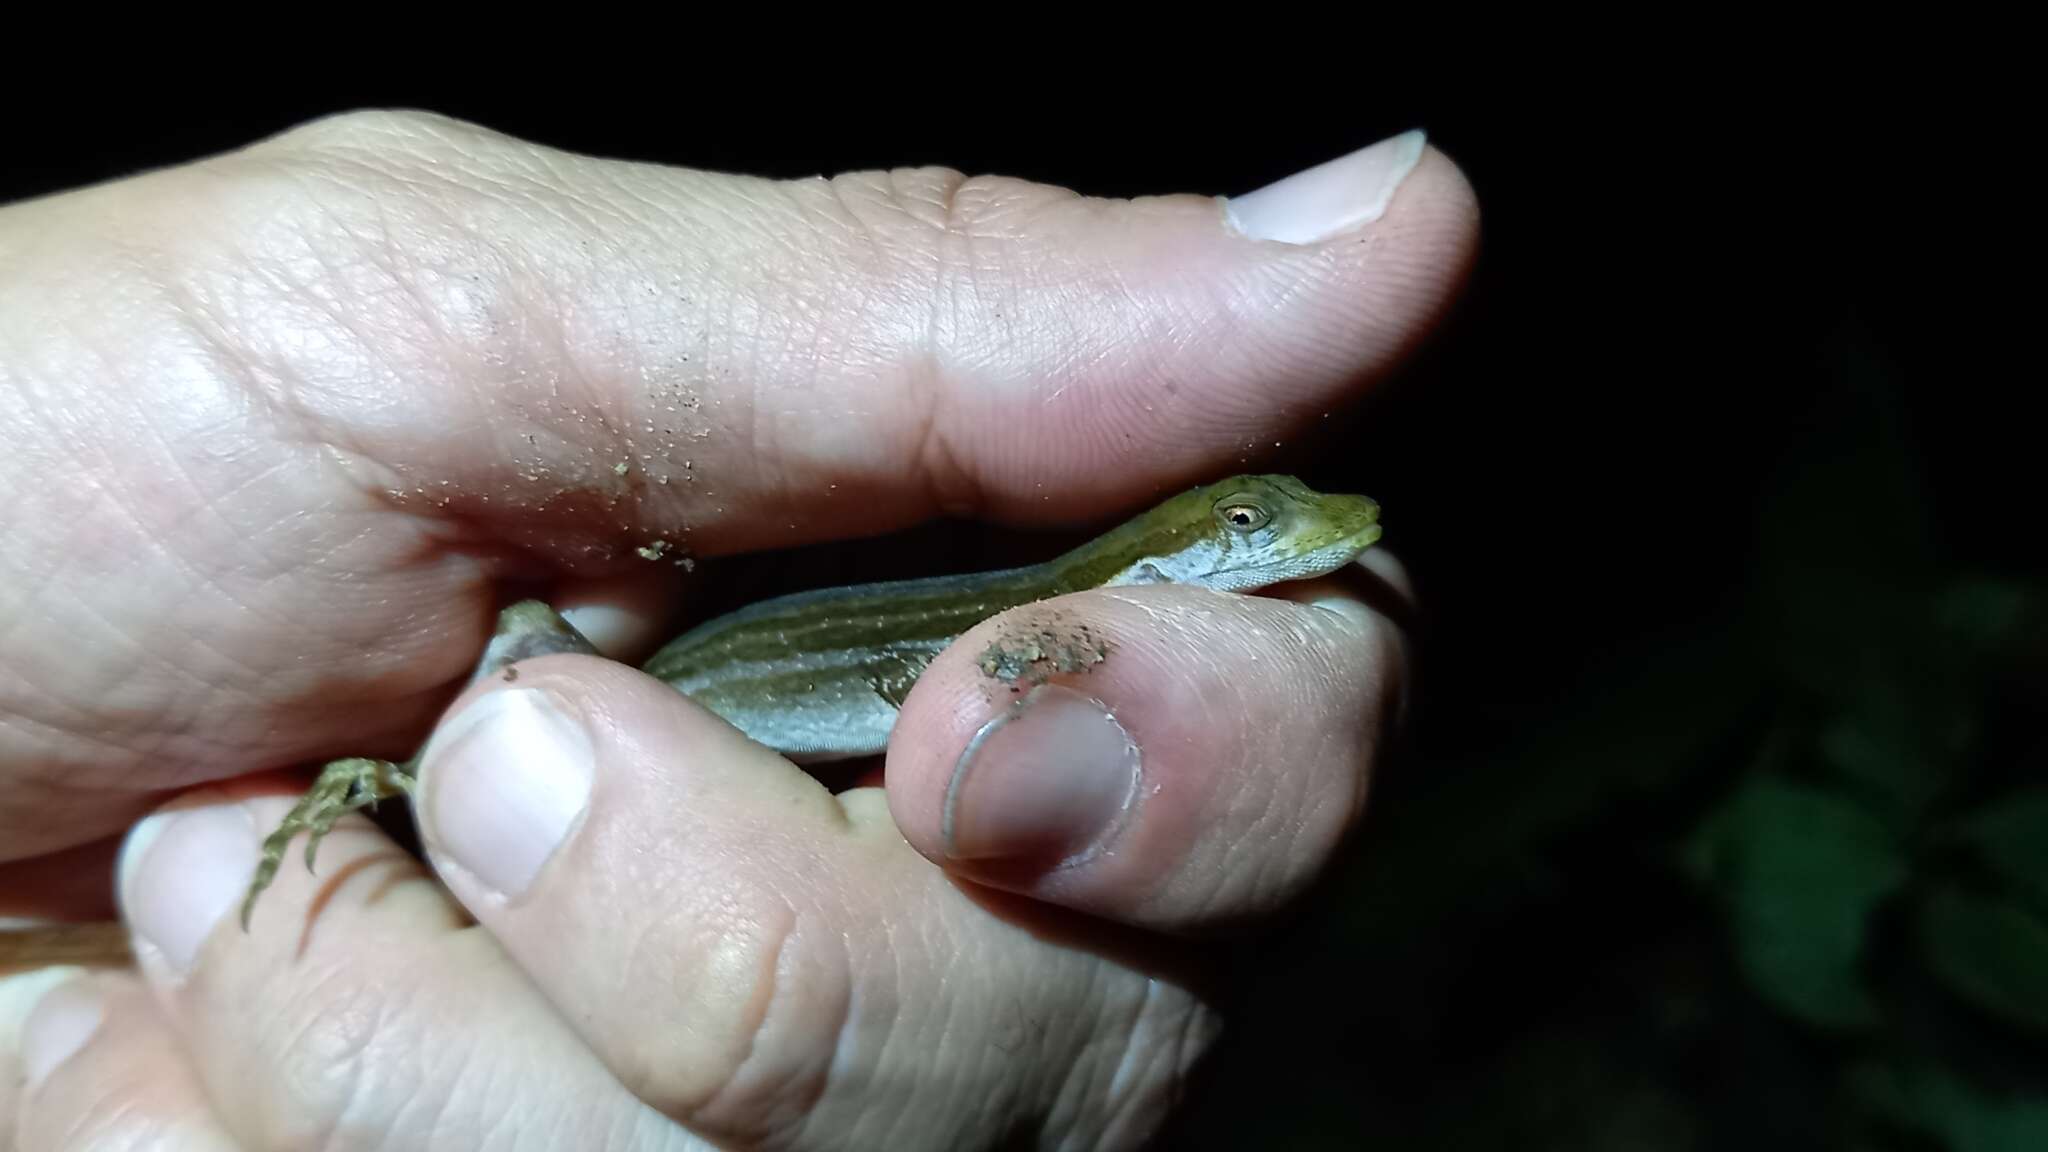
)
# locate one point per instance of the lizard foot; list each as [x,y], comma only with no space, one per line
[342,787]
[526,629]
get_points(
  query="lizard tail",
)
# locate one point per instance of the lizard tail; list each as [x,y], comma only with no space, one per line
[101,944]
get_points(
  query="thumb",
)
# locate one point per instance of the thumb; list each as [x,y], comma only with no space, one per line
[554,366]
[776,362]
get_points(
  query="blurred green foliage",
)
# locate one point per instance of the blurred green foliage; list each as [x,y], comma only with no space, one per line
[1774,874]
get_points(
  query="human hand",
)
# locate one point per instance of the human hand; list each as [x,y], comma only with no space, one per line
[286,424]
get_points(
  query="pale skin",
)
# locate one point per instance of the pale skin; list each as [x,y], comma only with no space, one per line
[283,427]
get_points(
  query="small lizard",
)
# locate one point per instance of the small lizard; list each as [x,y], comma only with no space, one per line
[819,676]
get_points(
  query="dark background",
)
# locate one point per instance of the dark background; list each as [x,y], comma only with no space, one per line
[1721,822]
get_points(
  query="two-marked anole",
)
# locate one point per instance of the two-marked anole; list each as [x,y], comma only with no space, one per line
[819,676]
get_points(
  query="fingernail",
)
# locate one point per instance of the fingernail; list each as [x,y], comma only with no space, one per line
[1333,197]
[181,870]
[1049,780]
[59,1025]
[19,995]
[505,781]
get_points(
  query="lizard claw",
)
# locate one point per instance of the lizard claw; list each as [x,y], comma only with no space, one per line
[342,787]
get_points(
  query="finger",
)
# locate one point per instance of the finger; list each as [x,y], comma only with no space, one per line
[1196,761]
[1385,584]
[185,867]
[100,1068]
[632,355]
[625,617]
[20,992]
[362,1008]
[370,371]
[756,956]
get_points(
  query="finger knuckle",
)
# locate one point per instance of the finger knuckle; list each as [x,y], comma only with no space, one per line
[365,129]
[343,1053]
[742,1043]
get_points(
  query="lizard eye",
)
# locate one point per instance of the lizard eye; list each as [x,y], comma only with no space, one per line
[1242,516]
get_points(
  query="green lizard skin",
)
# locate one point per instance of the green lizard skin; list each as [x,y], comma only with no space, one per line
[820,676]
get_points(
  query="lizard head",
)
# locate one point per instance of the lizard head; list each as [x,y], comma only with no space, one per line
[1244,533]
